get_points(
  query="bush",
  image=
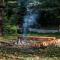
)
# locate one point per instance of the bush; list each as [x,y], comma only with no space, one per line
[8,30]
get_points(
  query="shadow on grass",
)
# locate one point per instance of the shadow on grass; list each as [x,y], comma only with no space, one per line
[51,51]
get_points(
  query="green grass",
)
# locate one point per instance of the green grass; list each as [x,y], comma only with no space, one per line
[8,38]
[44,54]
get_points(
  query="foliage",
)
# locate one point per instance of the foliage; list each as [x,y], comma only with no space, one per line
[49,11]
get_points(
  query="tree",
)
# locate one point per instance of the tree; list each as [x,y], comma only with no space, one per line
[1,16]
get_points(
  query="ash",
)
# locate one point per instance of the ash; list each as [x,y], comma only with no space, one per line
[21,42]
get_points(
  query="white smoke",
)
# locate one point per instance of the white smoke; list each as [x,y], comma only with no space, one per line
[29,19]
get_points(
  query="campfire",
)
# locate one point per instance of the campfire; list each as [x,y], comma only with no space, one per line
[34,41]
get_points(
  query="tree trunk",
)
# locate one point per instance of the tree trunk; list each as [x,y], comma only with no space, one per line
[1,16]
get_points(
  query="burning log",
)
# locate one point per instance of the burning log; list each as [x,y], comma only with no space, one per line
[35,41]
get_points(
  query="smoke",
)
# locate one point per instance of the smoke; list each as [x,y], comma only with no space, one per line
[31,14]
[29,19]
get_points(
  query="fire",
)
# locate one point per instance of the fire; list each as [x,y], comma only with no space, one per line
[48,43]
[58,42]
[45,43]
[42,41]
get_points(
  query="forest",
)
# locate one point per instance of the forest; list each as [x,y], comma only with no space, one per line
[17,20]
[13,12]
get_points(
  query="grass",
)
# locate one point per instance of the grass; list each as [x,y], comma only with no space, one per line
[14,37]
[8,37]
[39,54]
